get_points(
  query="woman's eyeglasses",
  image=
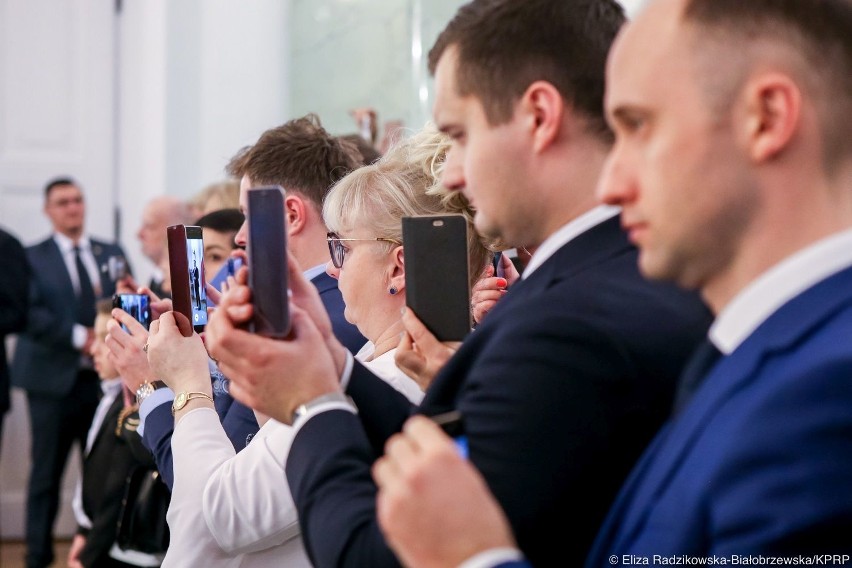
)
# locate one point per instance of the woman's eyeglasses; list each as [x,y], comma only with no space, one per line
[338,251]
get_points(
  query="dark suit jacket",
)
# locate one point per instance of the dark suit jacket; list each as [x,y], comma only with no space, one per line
[14,287]
[105,470]
[560,389]
[759,461]
[237,419]
[46,362]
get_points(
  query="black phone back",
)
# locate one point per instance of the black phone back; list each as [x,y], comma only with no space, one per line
[267,261]
[436,273]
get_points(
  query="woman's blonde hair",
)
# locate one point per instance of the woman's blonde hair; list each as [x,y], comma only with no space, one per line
[405,182]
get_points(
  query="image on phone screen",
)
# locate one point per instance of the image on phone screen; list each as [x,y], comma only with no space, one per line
[137,305]
[197,288]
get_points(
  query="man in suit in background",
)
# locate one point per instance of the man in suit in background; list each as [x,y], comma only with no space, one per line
[564,383]
[14,286]
[159,213]
[51,359]
[306,161]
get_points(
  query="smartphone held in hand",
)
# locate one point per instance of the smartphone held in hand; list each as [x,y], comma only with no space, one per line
[436,273]
[267,262]
[186,263]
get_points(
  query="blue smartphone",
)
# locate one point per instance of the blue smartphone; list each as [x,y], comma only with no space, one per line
[137,305]
[452,425]
[228,269]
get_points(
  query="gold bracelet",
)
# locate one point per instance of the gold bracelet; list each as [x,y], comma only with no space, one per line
[183,398]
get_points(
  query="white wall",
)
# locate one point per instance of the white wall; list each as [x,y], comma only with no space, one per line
[200,80]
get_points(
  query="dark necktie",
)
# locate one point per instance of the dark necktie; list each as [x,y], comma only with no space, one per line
[86,298]
[696,369]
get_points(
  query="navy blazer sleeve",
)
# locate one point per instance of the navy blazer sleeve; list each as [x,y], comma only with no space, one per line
[157,437]
[382,408]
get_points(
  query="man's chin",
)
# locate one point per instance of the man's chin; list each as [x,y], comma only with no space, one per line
[485,228]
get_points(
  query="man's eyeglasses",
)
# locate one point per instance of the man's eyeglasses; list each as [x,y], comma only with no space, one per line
[338,251]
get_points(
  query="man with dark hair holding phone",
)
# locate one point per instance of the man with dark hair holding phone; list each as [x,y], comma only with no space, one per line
[51,362]
[574,370]
[306,160]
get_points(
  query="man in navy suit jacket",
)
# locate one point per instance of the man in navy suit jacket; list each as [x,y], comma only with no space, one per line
[303,158]
[51,359]
[572,372]
[735,177]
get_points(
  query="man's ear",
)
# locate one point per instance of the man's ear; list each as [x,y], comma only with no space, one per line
[295,208]
[773,106]
[543,108]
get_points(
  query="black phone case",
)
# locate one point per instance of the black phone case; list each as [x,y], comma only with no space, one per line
[436,273]
[180,275]
[267,262]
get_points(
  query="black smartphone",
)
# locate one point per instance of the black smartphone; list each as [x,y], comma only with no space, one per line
[186,264]
[137,305]
[267,261]
[436,273]
[453,426]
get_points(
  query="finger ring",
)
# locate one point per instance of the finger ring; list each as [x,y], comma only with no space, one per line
[145,348]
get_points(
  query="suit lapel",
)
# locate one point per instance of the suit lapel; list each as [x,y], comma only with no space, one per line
[102,252]
[56,265]
[780,331]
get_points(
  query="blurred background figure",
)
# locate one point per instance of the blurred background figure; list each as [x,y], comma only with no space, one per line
[369,154]
[14,286]
[51,360]
[159,213]
[223,194]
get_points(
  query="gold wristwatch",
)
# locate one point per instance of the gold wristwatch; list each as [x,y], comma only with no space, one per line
[183,398]
[146,389]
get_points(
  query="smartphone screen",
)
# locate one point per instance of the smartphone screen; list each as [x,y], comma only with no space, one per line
[137,305]
[186,264]
[267,261]
[197,284]
[436,273]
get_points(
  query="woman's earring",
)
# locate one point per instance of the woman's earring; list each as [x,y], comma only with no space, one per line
[393,290]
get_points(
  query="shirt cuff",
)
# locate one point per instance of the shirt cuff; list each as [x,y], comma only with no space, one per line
[79,335]
[160,396]
[492,557]
[346,375]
